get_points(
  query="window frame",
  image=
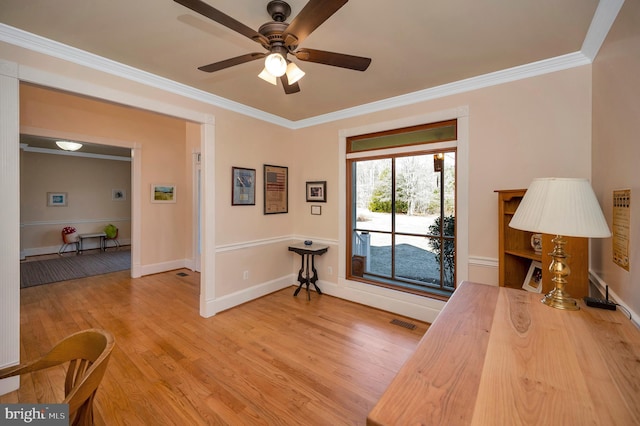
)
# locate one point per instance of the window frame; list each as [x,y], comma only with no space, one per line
[429,148]
[392,300]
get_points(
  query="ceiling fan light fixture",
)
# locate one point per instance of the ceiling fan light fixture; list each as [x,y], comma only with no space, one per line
[69,146]
[268,77]
[294,73]
[275,64]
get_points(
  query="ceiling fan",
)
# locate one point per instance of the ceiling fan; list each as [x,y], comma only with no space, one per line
[280,38]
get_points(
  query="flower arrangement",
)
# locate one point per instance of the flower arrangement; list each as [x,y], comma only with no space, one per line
[68,230]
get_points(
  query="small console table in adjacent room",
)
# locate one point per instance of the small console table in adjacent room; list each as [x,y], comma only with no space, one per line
[306,275]
[100,235]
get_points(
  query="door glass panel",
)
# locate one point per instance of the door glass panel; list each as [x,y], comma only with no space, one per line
[373,195]
[380,260]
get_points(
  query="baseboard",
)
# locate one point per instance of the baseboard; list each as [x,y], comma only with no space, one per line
[157,268]
[243,296]
[401,303]
[90,244]
[9,384]
[601,285]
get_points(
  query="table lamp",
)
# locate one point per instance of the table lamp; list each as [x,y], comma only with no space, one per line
[563,207]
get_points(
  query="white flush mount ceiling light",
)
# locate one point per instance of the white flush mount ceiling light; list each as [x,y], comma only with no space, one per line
[69,146]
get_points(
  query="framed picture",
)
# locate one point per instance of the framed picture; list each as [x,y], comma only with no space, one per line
[317,191]
[317,210]
[56,199]
[163,193]
[533,281]
[118,195]
[276,187]
[243,186]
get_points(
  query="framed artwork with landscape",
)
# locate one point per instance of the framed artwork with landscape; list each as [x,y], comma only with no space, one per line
[163,193]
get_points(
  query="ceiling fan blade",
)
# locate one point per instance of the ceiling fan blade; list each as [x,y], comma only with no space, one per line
[217,66]
[351,62]
[289,88]
[312,15]
[210,12]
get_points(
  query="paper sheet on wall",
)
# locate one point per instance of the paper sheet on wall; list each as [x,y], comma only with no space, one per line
[621,227]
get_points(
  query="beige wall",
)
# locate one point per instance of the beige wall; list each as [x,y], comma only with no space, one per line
[616,145]
[166,228]
[247,239]
[88,183]
[246,142]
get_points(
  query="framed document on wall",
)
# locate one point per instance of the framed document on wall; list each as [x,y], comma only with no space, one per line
[276,187]
[243,187]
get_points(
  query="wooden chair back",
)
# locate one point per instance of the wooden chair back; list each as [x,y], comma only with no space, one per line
[87,353]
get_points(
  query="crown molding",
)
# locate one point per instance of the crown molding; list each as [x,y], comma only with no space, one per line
[36,43]
[603,19]
[546,66]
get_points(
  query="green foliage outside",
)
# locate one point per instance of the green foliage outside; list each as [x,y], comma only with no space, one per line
[446,255]
[381,196]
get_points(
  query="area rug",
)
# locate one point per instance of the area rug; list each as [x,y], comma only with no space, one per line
[73,267]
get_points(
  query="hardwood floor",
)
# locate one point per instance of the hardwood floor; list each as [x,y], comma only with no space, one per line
[278,360]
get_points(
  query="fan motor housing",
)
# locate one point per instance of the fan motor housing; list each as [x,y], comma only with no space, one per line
[273,31]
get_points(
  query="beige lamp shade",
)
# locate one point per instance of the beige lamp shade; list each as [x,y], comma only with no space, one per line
[561,206]
[266,76]
[294,73]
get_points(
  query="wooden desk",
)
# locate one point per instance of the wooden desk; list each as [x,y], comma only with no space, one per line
[497,356]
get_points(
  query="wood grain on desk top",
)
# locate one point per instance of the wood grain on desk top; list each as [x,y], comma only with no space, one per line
[497,356]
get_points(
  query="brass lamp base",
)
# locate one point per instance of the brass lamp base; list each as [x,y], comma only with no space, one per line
[558,298]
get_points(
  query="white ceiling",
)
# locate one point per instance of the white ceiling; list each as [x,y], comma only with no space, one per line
[414,44]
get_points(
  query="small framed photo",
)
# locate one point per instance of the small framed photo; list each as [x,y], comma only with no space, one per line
[163,193]
[317,210]
[533,281]
[243,187]
[118,195]
[56,199]
[317,191]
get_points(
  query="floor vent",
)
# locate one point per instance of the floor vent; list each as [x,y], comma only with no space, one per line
[182,274]
[403,324]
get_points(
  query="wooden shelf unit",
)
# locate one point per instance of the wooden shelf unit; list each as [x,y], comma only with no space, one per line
[515,253]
